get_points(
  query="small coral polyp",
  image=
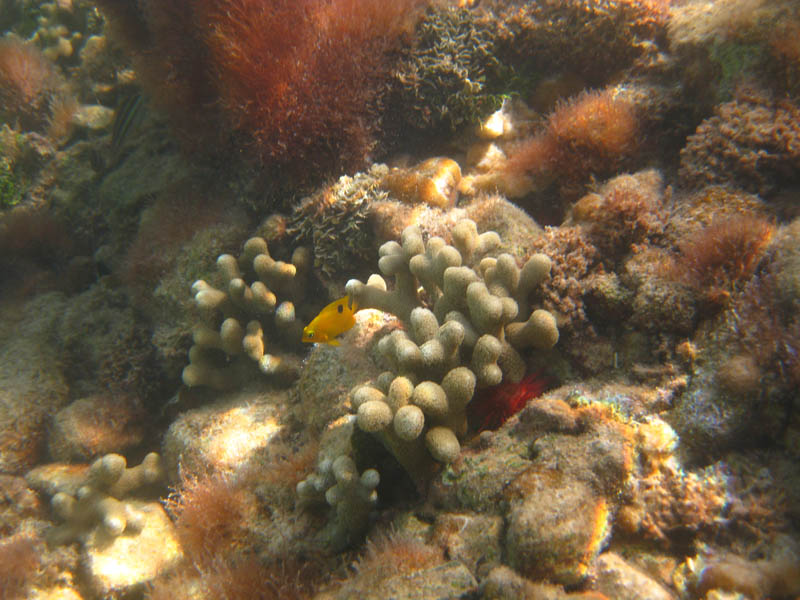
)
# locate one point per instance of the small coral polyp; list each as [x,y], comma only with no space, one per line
[247,311]
[467,335]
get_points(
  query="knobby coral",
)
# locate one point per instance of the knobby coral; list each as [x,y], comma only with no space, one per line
[479,316]
[247,312]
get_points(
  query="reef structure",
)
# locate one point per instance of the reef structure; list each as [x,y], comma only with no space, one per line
[468,333]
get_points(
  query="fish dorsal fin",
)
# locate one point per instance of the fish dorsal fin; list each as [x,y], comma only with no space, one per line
[352,304]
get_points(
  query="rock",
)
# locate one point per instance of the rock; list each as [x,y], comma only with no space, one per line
[93,426]
[450,580]
[477,480]
[32,385]
[503,583]
[472,539]
[222,436]
[93,117]
[59,592]
[617,579]
[556,526]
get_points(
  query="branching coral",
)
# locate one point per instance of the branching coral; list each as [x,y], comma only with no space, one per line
[352,496]
[99,499]
[478,321]
[248,311]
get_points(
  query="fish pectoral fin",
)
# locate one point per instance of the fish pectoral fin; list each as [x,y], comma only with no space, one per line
[334,342]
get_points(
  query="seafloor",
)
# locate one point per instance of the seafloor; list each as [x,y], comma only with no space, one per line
[567,233]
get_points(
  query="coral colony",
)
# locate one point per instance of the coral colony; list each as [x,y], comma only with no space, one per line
[332,299]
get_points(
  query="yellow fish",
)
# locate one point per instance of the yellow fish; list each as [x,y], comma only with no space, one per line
[334,319]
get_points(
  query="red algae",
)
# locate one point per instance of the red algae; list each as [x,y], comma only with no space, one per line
[495,405]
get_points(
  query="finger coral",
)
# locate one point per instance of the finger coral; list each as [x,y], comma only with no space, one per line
[470,335]
[99,497]
[241,317]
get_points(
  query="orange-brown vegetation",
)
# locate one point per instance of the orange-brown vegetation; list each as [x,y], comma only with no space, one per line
[388,554]
[20,557]
[167,52]
[785,47]
[211,514]
[627,211]
[33,235]
[29,82]
[302,78]
[719,258]
[176,216]
[33,243]
[768,331]
[249,578]
[59,122]
[243,579]
[299,82]
[287,467]
[591,135]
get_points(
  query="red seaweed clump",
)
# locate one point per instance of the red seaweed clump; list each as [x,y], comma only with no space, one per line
[298,84]
[20,557]
[594,134]
[720,258]
[627,211]
[28,82]
[495,405]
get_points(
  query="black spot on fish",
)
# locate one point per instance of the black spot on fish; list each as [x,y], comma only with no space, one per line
[340,308]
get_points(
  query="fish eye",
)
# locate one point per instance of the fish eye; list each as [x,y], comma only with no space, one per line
[310,334]
[340,308]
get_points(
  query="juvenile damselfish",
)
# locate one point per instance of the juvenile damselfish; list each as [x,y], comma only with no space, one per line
[333,320]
